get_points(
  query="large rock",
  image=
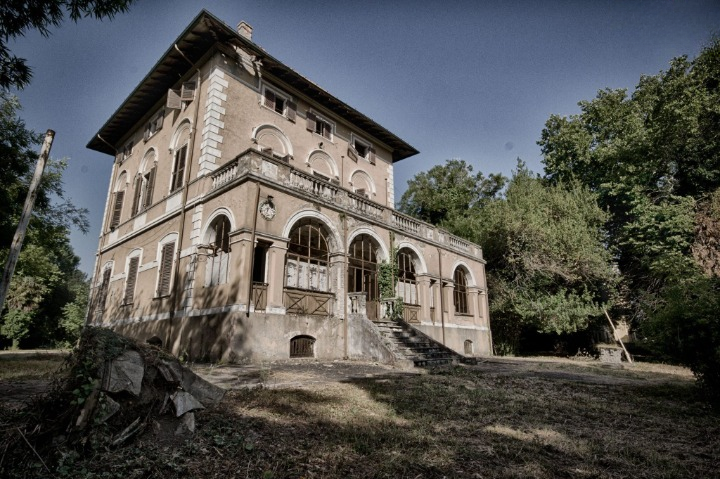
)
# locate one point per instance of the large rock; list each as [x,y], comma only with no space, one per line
[125,373]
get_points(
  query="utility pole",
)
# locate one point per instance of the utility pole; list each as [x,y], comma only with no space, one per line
[25,218]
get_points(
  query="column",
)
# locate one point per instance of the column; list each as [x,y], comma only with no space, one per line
[276,277]
[448,288]
[473,303]
[423,292]
[241,276]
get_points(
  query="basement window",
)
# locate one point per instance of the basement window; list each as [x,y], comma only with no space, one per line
[302,347]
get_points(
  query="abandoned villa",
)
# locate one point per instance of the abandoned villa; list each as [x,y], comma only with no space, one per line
[250,215]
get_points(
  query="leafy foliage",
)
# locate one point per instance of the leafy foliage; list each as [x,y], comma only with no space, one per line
[447,191]
[17,18]
[653,159]
[46,277]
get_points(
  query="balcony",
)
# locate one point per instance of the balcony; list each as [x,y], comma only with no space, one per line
[276,172]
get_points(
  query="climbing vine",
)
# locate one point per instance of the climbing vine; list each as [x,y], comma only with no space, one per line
[387,281]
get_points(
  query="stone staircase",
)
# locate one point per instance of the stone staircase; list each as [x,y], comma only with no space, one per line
[415,347]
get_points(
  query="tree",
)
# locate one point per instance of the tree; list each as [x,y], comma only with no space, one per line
[47,265]
[547,265]
[447,191]
[653,159]
[18,17]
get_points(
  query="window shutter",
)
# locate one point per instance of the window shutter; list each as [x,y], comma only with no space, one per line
[102,295]
[117,209]
[291,110]
[352,153]
[311,121]
[148,131]
[188,91]
[131,279]
[159,121]
[371,155]
[137,195]
[179,172]
[166,261]
[269,100]
[173,99]
[149,187]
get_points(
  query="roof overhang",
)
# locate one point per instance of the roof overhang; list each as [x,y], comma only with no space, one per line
[195,41]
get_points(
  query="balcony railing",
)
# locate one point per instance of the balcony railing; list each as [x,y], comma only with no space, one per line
[282,173]
[259,294]
[314,303]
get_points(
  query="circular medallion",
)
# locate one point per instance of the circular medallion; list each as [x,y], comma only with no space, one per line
[267,210]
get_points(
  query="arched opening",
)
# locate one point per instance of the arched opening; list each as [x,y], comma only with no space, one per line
[407,284]
[363,272]
[468,347]
[460,292]
[302,347]
[307,269]
[218,240]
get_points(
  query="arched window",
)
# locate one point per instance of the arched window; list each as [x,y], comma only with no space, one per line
[460,293]
[407,283]
[180,154]
[144,183]
[468,346]
[218,239]
[363,267]
[302,347]
[308,256]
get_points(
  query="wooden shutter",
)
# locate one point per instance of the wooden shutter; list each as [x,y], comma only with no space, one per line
[371,155]
[117,209]
[179,170]
[166,262]
[311,121]
[102,294]
[269,99]
[137,195]
[173,99]
[131,280]
[188,91]
[149,187]
[352,153]
[291,110]
[159,121]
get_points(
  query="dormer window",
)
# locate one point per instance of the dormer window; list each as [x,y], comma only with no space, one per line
[319,125]
[279,103]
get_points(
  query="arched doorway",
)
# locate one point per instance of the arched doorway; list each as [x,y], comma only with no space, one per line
[363,272]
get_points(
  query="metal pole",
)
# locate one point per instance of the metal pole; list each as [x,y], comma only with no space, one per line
[617,338]
[25,217]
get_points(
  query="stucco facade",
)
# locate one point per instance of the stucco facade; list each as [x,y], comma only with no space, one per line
[248,209]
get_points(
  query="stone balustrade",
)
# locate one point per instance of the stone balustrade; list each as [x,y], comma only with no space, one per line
[280,172]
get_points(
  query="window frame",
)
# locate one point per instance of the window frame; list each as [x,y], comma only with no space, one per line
[269,98]
[132,271]
[177,178]
[460,292]
[154,125]
[165,276]
[313,122]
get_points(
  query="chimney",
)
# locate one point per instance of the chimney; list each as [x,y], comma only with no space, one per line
[245,30]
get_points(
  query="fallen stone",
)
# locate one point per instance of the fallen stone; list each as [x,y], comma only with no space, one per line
[108,408]
[172,371]
[187,424]
[185,402]
[208,394]
[125,373]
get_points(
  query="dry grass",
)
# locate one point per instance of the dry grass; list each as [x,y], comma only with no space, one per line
[504,419]
[16,366]
[543,420]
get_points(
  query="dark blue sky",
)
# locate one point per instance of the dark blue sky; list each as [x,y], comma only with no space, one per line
[469,80]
